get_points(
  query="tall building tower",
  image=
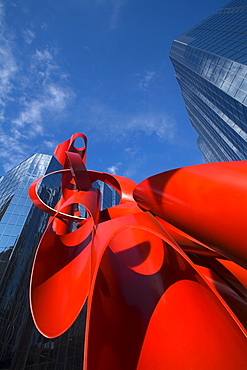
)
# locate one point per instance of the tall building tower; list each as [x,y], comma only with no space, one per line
[210,61]
[21,227]
[109,196]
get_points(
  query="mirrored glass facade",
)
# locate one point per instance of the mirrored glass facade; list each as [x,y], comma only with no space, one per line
[109,197]
[21,226]
[210,61]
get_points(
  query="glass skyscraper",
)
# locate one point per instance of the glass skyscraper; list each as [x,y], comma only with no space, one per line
[109,196]
[210,61]
[21,227]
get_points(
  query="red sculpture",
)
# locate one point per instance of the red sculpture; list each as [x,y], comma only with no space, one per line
[163,271]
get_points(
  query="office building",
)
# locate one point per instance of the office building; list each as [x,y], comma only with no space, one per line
[210,61]
[110,196]
[21,227]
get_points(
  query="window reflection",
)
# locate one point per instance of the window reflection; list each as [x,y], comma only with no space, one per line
[207,63]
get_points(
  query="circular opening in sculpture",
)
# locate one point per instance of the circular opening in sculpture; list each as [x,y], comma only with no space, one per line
[79,143]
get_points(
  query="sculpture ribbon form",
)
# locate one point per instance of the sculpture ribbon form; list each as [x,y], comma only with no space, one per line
[164,272]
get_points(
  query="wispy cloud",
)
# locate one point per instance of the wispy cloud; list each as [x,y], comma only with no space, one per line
[115,10]
[53,99]
[132,151]
[158,124]
[36,88]
[112,125]
[117,6]
[133,167]
[147,79]
[114,168]
[8,65]
[29,36]
[51,144]
[13,151]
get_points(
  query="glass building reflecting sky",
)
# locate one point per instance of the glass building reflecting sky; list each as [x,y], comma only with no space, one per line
[21,227]
[210,61]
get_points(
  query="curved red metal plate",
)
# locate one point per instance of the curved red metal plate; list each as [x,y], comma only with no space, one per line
[204,201]
[133,290]
[160,295]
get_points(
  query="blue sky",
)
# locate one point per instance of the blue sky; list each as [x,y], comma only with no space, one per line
[99,67]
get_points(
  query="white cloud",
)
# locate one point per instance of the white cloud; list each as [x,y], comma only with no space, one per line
[34,94]
[13,150]
[54,99]
[31,114]
[131,151]
[59,97]
[43,55]
[114,168]
[147,79]
[116,8]
[159,124]
[44,68]
[44,26]
[8,65]
[111,125]
[29,36]
[133,167]
[51,144]
[41,97]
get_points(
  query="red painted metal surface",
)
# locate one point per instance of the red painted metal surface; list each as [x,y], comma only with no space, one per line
[164,272]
